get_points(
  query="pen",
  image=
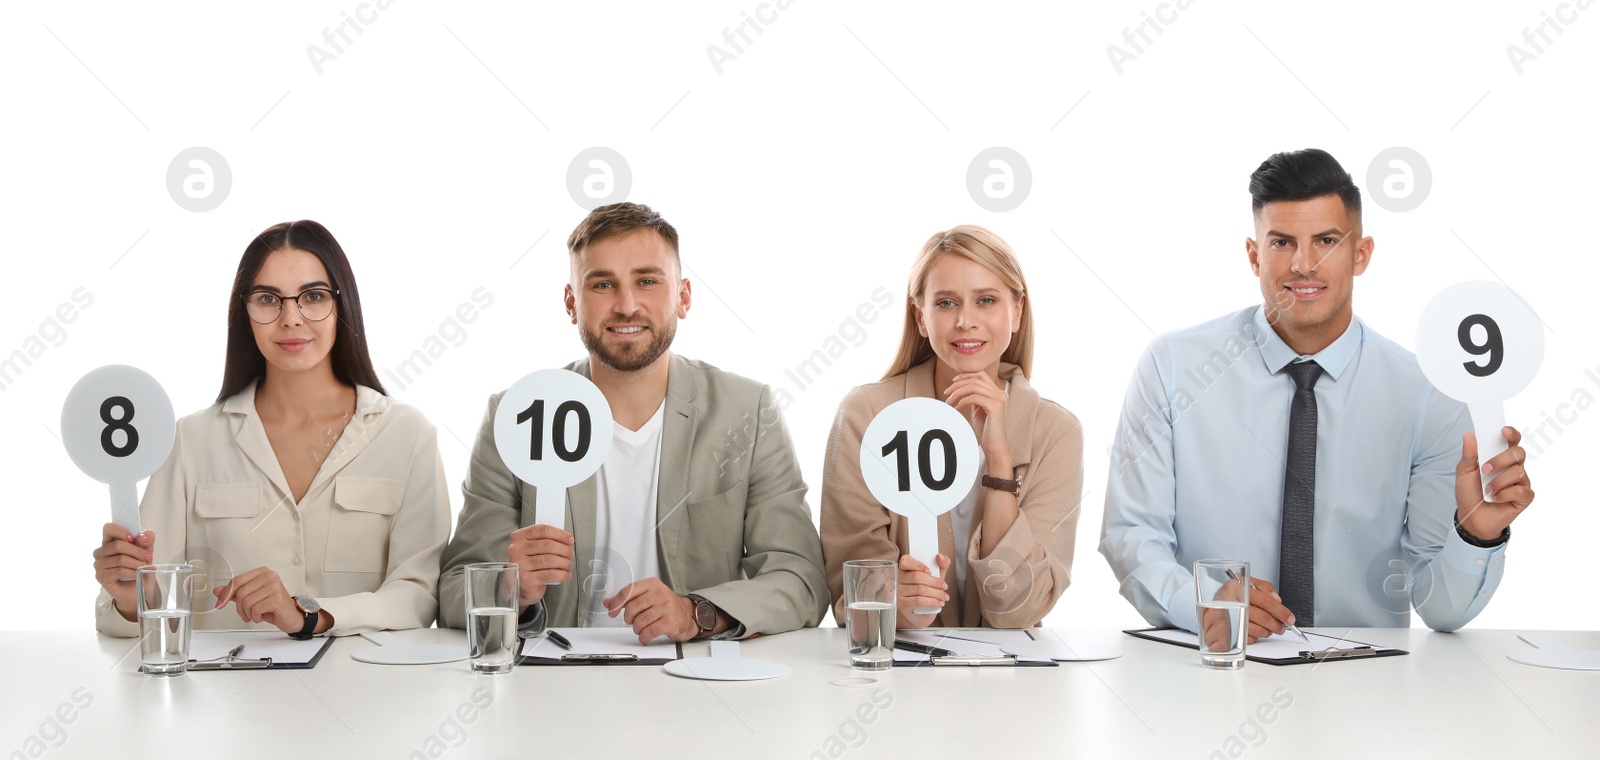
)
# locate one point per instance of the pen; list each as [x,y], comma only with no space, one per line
[233,654]
[558,639]
[1290,626]
[912,646]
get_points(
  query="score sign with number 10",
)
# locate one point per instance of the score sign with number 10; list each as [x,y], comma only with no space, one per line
[946,469]
[553,430]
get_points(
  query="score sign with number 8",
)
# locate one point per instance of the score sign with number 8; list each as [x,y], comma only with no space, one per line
[945,471]
[1480,343]
[553,430]
[118,427]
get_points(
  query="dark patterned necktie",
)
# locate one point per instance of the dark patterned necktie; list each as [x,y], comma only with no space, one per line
[1297,554]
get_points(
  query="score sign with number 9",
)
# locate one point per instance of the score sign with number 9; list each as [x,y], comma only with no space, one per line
[118,427]
[553,430]
[1480,343]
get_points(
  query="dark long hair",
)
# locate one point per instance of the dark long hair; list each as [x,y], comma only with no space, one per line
[352,365]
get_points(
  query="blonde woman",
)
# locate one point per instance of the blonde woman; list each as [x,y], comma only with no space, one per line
[1005,553]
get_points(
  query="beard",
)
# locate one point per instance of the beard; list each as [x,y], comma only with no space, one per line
[629,357]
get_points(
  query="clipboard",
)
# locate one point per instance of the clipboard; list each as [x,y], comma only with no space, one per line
[982,652]
[591,649]
[1308,655]
[262,651]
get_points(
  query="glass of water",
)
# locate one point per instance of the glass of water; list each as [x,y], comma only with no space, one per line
[1222,598]
[492,597]
[870,586]
[165,613]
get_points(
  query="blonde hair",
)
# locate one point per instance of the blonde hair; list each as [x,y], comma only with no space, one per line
[987,250]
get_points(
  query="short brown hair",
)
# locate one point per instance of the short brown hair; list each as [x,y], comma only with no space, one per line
[619,219]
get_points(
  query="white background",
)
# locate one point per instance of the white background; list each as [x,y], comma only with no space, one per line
[802,177]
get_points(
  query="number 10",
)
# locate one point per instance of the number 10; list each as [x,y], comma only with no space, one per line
[897,445]
[535,414]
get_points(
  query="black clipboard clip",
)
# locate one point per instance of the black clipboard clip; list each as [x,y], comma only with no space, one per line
[1339,654]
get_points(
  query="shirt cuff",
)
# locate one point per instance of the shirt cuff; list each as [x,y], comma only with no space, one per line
[736,632]
[1181,611]
[531,622]
[111,622]
[1467,559]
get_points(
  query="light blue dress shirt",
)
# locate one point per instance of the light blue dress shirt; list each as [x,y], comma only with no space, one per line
[1197,472]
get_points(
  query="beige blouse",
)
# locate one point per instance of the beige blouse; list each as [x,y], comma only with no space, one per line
[1018,583]
[365,540]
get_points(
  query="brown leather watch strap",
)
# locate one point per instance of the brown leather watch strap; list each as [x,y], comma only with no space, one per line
[1013,487]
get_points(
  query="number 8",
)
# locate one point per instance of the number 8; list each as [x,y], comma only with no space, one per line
[112,425]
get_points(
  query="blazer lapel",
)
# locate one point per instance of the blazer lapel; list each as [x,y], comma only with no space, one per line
[679,422]
[1022,404]
[1022,408]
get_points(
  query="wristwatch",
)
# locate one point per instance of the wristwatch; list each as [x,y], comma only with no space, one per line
[311,608]
[1013,487]
[705,615]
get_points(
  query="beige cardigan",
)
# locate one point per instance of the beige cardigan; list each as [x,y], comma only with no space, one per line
[1019,582]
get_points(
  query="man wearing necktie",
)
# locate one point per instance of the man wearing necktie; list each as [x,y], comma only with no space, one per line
[1293,436]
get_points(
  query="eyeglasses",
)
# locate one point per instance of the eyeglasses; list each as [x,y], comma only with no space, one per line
[314,304]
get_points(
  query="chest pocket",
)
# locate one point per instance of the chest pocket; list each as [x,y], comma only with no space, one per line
[229,514]
[358,528]
[215,500]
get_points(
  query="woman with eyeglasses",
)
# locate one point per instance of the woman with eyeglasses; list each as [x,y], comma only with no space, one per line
[315,502]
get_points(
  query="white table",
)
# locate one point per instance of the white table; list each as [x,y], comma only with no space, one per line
[1455,695]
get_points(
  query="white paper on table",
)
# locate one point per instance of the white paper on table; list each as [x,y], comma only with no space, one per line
[215,645]
[980,643]
[1278,646]
[600,641]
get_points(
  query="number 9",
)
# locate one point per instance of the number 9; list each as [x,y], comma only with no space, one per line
[1492,345]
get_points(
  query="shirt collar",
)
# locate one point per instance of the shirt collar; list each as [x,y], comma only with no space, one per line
[1334,359]
[368,401]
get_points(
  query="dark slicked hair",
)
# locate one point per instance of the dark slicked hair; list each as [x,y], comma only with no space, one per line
[351,363]
[619,219]
[1301,175]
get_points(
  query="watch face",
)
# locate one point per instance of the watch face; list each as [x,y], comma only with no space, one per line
[308,604]
[705,614]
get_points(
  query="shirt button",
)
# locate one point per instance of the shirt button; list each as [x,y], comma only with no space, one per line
[294,561]
[296,516]
[1478,561]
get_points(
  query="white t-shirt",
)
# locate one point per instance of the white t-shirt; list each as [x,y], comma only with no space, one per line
[625,517]
[962,516]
